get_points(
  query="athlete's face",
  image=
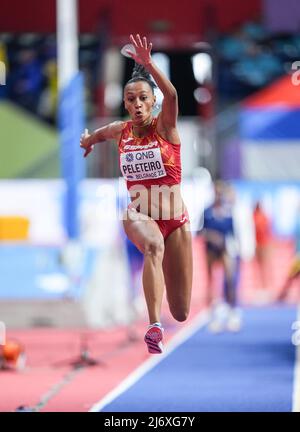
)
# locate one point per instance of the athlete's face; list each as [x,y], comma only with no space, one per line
[139,101]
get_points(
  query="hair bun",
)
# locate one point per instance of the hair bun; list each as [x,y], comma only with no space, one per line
[140,72]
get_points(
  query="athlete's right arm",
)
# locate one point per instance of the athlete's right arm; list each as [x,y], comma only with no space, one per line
[110,131]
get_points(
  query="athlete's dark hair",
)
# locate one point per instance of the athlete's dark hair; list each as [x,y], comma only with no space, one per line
[139,73]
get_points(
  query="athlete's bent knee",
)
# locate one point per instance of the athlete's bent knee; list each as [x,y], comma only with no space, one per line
[154,247]
[180,315]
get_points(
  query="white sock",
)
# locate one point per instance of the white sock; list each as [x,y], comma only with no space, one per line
[156,324]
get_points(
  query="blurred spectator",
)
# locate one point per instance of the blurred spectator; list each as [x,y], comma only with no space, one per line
[27,80]
[263,236]
[4,61]
[251,58]
[47,106]
[255,31]
[234,46]
[221,247]
[294,271]
[258,68]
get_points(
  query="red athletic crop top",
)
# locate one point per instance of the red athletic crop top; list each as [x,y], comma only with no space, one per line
[150,160]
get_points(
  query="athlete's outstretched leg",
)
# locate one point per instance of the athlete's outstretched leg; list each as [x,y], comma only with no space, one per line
[178,271]
[145,234]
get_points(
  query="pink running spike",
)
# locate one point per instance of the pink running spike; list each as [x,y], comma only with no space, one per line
[153,339]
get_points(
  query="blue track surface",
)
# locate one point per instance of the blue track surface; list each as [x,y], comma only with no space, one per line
[250,371]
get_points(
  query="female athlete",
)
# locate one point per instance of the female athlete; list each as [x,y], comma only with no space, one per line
[156,220]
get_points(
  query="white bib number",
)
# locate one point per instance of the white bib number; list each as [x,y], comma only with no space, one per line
[142,165]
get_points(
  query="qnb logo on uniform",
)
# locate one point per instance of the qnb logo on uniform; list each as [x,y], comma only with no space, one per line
[296,334]
[144,155]
[296,74]
[2,333]
[2,73]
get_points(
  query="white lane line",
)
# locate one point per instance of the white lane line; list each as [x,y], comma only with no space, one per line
[296,390]
[199,321]
[56,388]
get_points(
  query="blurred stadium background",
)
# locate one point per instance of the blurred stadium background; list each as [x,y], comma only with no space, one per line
[64,261]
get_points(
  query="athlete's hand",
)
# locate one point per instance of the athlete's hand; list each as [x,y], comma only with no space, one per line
[85,143]
[142,48]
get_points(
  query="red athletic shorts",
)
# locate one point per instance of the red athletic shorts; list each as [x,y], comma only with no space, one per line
[168,226]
